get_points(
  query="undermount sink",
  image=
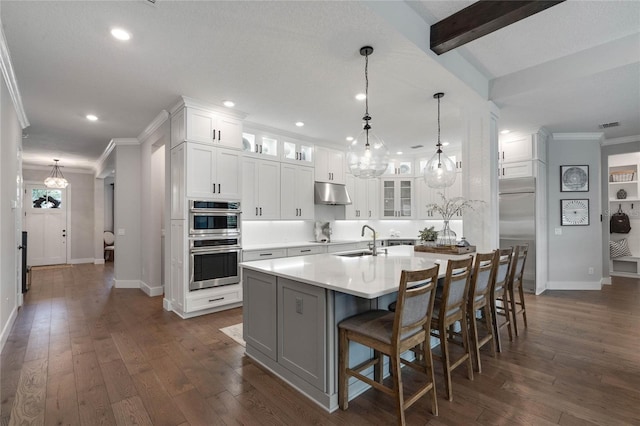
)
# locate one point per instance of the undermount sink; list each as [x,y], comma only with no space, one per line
[356,253]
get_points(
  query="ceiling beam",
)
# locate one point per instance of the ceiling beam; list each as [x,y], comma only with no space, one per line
[481,18]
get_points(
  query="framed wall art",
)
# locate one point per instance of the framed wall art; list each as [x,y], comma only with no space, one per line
[574,178]
[574,212]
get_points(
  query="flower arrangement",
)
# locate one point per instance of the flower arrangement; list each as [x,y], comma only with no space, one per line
[451,206]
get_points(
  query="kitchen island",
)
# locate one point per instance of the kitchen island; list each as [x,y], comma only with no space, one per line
[292,307]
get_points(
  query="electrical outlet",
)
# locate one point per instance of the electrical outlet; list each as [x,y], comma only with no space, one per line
[299,305]
[120,231]
[558,231]
[591,270]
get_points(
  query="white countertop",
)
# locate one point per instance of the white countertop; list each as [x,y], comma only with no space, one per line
[367,276]
[269,246]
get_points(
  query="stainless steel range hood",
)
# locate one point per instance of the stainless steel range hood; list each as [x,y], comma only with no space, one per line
[331,193]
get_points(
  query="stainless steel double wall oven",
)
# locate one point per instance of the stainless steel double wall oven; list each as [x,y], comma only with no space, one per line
[215,243]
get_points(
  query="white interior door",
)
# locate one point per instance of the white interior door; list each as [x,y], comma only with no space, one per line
[46,224]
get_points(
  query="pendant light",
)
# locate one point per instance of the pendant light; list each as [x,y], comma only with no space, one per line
[56,179]
[367,156]
[440,171]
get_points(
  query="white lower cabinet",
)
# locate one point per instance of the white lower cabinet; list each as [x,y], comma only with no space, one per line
[213,297]
[260,189]
[296,189]
[286,321]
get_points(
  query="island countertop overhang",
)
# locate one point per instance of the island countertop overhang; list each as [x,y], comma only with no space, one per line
[367,276]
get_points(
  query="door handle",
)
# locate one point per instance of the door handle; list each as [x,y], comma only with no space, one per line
[20,247]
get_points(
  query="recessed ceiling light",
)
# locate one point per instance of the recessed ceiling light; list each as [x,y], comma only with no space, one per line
[361,96]
[505,131]
[349,138]
[399,153]
[92,117]
[229,104]
[121,34]
[299,123]
[445,143]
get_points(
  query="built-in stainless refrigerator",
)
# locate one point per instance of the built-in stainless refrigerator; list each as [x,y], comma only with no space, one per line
[518,222]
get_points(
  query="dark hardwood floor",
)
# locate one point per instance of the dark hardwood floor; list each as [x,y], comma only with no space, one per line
[84,353]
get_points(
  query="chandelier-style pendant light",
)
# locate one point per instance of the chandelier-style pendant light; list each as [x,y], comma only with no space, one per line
[56,179]
[368,155]
[440,171]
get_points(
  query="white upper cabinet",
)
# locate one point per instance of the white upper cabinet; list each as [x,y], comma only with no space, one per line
[530,147]
[260,189]
[400,167]
[364,194]
[296,188]
[213,173]
[257,145]
[397,198]
[196,122]
[178,205]
[297,152]
[329,165]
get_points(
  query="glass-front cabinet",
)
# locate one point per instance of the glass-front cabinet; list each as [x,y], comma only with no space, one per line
[400,167]
[260,146]
[297,152]
[397,198]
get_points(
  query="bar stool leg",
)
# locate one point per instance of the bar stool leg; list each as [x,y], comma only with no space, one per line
[343,388]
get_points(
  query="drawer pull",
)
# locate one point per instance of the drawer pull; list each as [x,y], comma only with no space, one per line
[215,300]
[305,251]
[266,254]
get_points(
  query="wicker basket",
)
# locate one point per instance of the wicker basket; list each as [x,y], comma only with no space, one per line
[622,176]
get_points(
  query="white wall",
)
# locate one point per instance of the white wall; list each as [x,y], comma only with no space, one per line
[80,194]
[579,248]
[10,141]
[108,203]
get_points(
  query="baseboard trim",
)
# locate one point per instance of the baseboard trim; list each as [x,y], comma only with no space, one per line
[7,327]
[151,291]
[574,285]
[166,305]
[98,261]
[606,281]
[127,283]
[85,260]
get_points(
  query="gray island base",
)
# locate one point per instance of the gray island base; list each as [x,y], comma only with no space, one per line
[292,307]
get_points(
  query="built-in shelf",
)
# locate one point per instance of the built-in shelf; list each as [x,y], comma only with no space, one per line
[627,266]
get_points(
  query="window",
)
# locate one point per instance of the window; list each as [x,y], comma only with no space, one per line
[46,198]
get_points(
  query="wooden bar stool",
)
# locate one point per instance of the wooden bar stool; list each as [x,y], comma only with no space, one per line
[391,334]
[500,296]
[516,287]
[451,308]
[482,282]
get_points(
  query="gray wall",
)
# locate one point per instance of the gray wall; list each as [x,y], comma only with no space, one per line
[81,210]
[607,150]
[10,140]
[579,247]
[127,215]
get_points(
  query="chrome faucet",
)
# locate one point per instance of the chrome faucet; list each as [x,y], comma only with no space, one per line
[374,250]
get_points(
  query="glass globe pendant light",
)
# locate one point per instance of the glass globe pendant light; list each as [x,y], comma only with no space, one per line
[440,171]
[56,179]
[367,156]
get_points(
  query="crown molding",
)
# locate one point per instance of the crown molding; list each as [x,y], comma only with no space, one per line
[624,139]
[125,141]
[10,78]
[153,126]
[49,167]
[186,101]
[591,136]
[101,161]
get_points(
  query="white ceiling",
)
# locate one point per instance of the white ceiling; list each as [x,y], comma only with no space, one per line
[568,69]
